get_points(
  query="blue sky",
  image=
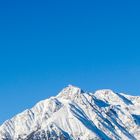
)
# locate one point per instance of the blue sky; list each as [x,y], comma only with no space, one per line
[46,45]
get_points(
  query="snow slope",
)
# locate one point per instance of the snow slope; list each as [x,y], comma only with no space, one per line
[77,115]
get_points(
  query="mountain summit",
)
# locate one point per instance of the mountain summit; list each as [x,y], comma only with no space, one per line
[77,115]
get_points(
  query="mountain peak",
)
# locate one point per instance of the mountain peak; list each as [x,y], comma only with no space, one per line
[70,91]
[104,91]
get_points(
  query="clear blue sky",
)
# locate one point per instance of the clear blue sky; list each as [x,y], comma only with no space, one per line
[46,45]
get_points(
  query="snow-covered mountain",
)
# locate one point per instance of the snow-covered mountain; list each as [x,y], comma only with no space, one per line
[77,115]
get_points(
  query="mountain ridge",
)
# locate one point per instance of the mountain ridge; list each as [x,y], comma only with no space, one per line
[77,115]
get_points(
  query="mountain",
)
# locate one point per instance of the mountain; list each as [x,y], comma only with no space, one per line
[77,115]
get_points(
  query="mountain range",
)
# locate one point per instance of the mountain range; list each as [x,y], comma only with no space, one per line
[77,115]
